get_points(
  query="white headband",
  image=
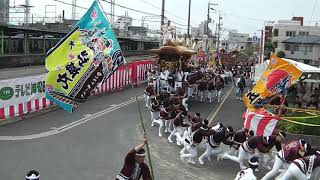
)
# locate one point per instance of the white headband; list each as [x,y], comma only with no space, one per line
[33,176]
[141,154]
[254,163]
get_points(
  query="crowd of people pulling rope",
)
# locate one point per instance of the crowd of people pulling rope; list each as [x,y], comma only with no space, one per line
[167,96]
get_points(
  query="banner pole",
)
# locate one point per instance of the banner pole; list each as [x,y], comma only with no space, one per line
[145,135]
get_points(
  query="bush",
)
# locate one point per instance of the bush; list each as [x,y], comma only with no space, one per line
[281,54]
[300,129]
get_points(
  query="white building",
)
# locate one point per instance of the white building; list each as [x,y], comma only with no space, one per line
[123,22]
[305,49]
[4,11]
[236,40]
[286,29]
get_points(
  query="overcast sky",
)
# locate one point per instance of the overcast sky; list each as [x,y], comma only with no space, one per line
[244,15]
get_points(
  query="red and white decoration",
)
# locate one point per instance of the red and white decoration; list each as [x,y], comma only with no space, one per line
[261,122]
[129,74]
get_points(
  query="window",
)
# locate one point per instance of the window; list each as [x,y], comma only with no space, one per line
[310,49]
[287,47]
[296,47]
[275,44]
[303,33]
[290,33]
[275,32]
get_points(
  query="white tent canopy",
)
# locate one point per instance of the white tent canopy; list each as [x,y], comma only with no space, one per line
[303,67]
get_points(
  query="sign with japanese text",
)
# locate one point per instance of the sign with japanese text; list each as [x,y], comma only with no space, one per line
[21,90]
[276,79]
[82,60]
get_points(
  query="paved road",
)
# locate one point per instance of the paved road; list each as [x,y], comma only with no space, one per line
[94,147]
[9,73]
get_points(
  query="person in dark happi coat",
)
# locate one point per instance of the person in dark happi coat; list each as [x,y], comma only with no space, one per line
[134,167]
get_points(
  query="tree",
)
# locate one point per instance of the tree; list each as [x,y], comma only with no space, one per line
[268,47]
[281,54]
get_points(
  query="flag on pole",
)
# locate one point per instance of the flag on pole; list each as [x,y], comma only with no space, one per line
[260,122]
[276,79]
[82,60]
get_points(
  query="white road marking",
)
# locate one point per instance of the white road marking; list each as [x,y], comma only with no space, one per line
[87,115]
[70,125]
[220,105]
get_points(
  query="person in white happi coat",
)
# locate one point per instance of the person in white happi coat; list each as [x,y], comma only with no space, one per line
[179,79]
[247,174]
[167,32]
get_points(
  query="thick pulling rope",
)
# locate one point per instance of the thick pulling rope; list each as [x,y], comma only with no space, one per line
[145,134]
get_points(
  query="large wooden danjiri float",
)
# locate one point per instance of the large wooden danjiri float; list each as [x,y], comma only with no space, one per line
[173,56]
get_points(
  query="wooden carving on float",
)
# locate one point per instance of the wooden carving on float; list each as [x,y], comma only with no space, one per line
[173,56]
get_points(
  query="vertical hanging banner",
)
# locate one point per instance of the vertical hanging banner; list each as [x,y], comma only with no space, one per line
[276,79]
[82,60]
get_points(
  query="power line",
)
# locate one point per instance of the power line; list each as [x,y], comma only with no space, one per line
[103,12]
[124,7]
[179,17]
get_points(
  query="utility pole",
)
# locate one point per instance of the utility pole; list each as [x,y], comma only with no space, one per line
[189,19]
[162,13]
[208,17]
[263,41]
[219,29]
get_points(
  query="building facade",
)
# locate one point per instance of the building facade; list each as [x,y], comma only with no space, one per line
[305,49]
[123,22]
[4,11]
[236,40]
[286,29]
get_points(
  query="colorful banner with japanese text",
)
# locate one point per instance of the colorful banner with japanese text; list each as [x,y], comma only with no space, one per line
[276,79]
[81,61]
[24,89]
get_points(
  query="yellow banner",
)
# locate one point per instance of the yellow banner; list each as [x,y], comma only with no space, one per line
[276,79]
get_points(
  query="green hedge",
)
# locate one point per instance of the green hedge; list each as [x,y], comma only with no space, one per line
[300,129]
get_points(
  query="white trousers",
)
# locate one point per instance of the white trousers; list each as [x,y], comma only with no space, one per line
[261,158]
[190,91]
[278,163]
[169,125]
[209,151]
[192,152]
[161,124]
[293,171]
[241,157]
[154,116]
[177,131]
[184,103]
[218,94]
[177,84]
[210,95]
[147,100]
